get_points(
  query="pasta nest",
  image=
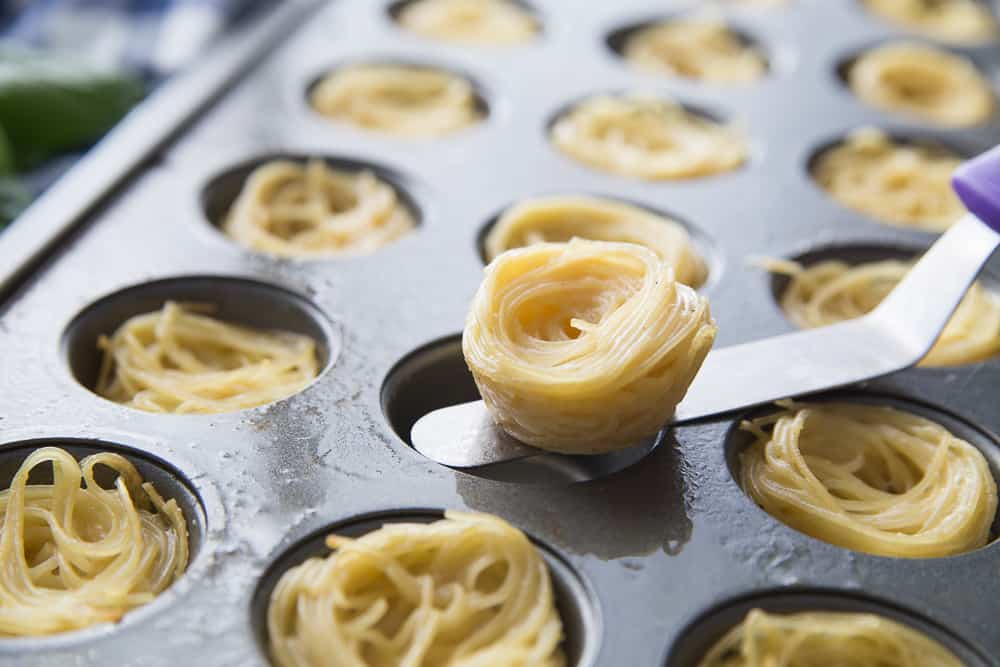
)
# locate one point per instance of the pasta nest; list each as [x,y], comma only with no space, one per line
[488,22]
[293,210]
[175,360]
[75,554]
[956,21]
[699,49]
[832,291]
[904,184]
[400,100]
[924,82]
[647,138]
[584,347]
[826,638]
[559,219]
[466,590]
[870,478]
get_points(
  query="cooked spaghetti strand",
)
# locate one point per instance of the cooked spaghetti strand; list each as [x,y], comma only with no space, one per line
[468,590]
[487,22]
[584,347]
[832,291]
[813,638]
[176,360]
[870,478]
[559,219]
[955,21]
[75,554]
[648,138]
[400,100]
[288,209]
[699,49]
[924,82]
[903,184]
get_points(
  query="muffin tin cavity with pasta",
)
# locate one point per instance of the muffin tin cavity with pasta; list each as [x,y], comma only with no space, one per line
[362,248]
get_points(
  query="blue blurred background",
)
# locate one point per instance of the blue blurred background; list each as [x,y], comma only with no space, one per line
[71,69]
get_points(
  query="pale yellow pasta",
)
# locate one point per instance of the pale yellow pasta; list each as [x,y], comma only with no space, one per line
[75,554]
[469,590]
[311,210]
[870,478]
[825,638]
[832,291]
[904,184]
[648,138]
[956,21]
[400,100]
[701,49]
[492,22]
[559,219]
[584,347]
[178,361]
[923,82]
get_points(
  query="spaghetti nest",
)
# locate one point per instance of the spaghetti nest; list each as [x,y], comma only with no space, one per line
[176,360]
[826,638]
[832,291]
[75,554]
[400,100]
[956,21]
[870,478]
[466,590]
[699,49]
[559,219]
[492,22]
[924,82]
[584,347]
[904,184]
[294,210]
[648,138]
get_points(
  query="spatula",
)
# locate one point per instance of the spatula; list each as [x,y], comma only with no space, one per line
[894,336]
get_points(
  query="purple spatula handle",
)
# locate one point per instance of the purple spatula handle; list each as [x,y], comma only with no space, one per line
[977,183]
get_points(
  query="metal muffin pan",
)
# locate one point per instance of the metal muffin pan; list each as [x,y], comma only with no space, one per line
[651,548]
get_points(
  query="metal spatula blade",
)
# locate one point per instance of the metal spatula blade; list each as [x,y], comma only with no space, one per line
[894,336]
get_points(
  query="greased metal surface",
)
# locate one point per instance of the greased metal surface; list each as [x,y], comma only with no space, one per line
[656,545]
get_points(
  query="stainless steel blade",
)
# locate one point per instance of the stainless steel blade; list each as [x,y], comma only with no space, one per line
[894,336]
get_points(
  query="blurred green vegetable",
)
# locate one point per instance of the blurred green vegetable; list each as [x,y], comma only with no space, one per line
[14,198]
[50,105]
[6,155]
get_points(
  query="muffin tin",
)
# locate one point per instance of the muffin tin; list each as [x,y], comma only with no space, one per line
[653,554]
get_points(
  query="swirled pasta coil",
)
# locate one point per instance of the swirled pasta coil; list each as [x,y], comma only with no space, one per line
[75,554]
[400,100]
[647,138]
[826,638]
[904,184]
[468,590]
[584,347]
[176,360]
[832,291]
[288,209]
[870,478]
[955,21]
[559,219]
[699,49]
[488,22]
[924,82]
